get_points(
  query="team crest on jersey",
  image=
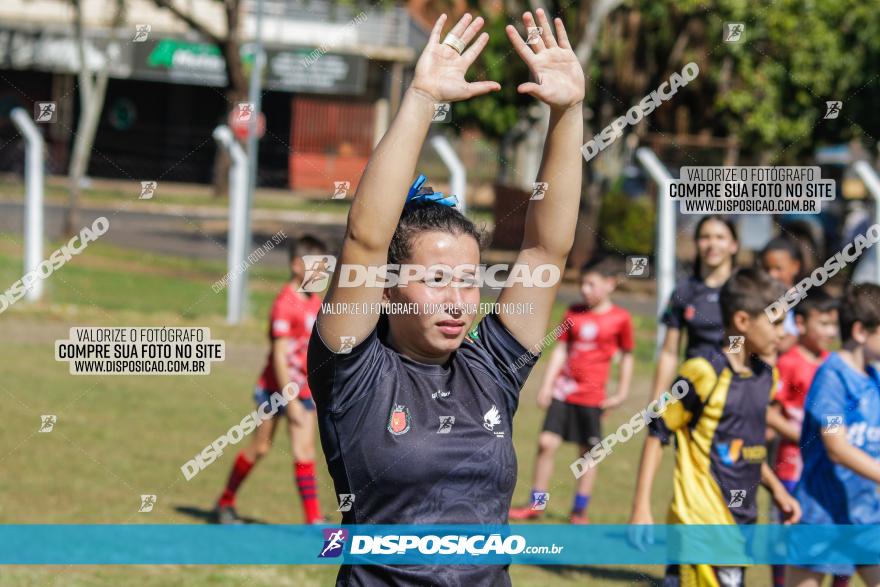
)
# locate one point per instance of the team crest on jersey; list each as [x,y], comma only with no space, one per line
[399,422]
[491,419]
[689,313]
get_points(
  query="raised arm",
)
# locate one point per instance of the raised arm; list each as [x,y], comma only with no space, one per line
[381,193]
[551,221]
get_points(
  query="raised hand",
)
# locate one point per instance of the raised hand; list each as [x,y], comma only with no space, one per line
[440,70]
[559,78]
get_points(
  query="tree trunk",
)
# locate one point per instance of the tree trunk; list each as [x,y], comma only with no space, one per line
[90,115]
[587,231]
[92,90]
[236,89]
[236,84]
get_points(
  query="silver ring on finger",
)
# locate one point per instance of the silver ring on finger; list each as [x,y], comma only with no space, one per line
[454,42]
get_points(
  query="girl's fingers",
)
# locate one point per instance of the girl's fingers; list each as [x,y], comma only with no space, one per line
[535,41]
[528,88]
[546,33]
[472,30]
[474,50]
[438,27]
[561,35]
[519,45]
[480,88]
[462,25]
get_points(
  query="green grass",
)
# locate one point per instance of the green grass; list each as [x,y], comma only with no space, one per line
[120,436]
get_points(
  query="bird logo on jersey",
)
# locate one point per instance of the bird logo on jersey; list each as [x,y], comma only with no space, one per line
[491,419]
[399,422]
[729,576]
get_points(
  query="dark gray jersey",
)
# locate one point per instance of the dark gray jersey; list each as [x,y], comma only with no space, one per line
[422,444]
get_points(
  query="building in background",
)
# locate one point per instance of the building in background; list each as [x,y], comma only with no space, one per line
[333,74]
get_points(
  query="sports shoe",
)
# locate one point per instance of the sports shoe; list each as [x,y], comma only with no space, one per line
[581,518]
[226,514]
[524,513]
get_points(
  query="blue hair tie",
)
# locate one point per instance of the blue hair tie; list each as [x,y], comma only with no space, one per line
[419,192]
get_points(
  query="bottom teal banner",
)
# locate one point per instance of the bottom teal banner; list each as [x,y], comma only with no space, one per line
[534,544]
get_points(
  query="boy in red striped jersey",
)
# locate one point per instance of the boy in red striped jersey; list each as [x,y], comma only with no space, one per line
[290,326]
[573,390]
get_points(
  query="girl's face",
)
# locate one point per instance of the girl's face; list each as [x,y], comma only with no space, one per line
[781,266]
[445,312]
[715,244]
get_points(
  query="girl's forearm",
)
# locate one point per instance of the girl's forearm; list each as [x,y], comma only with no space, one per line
[550,223]
[382,190]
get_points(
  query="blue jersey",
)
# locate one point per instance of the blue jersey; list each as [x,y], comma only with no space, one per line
[830,493]
[413,443]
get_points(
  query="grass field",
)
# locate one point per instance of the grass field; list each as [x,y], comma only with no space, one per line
[118,437]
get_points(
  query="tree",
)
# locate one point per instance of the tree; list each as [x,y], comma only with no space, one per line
[92,90]
[229,43]
[512,118]
[767,92]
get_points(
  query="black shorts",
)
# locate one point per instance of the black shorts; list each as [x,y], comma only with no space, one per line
[574,423]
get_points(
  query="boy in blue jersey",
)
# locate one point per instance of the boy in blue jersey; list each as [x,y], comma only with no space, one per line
[840,438]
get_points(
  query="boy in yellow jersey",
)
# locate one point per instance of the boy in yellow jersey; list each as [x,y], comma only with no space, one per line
[720,425]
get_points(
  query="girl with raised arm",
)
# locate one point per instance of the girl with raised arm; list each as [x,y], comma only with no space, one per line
[415,409]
